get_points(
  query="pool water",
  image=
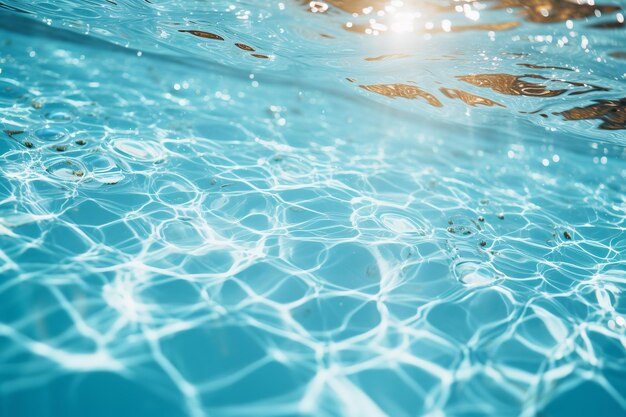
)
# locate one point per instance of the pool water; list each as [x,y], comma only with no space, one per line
[342,208]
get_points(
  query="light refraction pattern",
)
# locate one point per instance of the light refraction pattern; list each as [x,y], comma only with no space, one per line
[347,227]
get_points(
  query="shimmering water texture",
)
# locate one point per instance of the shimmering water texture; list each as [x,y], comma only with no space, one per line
[351,208]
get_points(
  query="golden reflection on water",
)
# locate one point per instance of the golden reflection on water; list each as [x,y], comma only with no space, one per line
[612,113]
[216,37]
[468,98]
[203,34]
[550,11]
[387,56]
[486,26]
[618,54]
[402,91]
[412,18]
[512,85]
[376,17]
[244,47]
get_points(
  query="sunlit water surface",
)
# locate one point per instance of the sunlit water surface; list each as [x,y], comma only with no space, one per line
[352,208]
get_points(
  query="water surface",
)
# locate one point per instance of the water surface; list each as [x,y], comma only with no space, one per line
[351,208]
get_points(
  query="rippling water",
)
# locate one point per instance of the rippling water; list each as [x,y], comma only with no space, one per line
[351,208]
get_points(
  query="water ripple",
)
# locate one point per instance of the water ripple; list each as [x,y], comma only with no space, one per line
[419,216]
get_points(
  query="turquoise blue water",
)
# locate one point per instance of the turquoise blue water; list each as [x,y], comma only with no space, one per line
[365,208]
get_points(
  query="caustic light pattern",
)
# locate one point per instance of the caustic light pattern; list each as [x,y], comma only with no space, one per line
[341,208]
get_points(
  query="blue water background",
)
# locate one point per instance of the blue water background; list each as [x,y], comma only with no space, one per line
[189,230]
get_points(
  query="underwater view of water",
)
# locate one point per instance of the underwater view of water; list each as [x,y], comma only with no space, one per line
[342,208]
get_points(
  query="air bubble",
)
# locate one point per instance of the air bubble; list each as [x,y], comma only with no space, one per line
[138,150]
[182,234]
[473,273]
[103,169]
[399,224]
[50,133]
[66,169]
